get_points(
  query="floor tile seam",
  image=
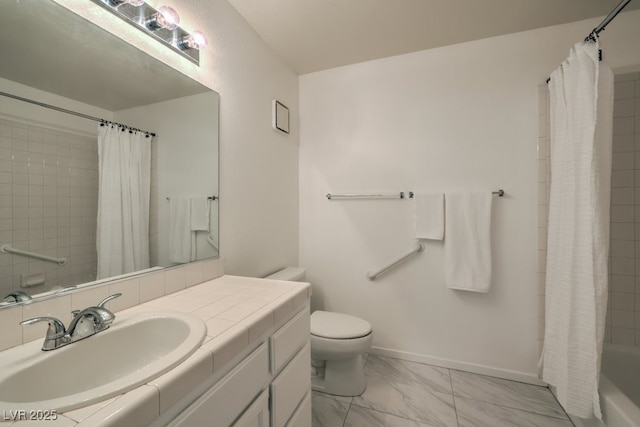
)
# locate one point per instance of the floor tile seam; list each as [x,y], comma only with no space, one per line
[495,379]
[346,414]
[455,408]
[515,409]
[560,405]
[388,413]
[458,391]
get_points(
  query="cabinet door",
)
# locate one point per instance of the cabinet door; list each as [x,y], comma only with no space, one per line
[257,415]
[302,416]
[289,388]
[227,399]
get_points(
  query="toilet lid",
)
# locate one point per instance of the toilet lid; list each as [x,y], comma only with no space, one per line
[327,324]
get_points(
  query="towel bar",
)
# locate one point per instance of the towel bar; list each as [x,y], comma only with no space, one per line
[208,198]
[400,195]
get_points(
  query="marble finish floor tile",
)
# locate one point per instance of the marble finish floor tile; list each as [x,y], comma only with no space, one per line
[407,401]
[409,394]
[507,393]
[473,413]
[363,417]
[327,411]
[412,373]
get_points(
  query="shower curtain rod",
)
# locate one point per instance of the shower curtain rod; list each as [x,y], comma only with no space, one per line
[601,27]
[593,34]
[73,113]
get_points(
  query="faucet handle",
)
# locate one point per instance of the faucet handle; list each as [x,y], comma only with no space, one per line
[107,299]
[55,325]
[56,334]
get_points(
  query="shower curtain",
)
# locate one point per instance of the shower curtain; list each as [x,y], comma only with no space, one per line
[123,201]
[581,102]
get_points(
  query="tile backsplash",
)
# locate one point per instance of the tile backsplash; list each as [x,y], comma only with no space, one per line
[135,290]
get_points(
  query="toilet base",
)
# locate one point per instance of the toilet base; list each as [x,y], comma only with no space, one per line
[344,377]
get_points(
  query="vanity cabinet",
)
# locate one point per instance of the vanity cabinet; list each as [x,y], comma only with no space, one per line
[269,387]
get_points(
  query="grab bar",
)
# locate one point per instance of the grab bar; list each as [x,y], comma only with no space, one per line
[6,249]
[374,275]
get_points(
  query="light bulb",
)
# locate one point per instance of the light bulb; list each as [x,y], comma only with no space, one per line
[195,40]
[167,18]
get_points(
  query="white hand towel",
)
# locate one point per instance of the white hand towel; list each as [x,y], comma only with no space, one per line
[467,241]
[180,234]
[199,214]
[428,216]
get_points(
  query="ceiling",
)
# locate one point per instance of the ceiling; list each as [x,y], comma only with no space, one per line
[313,35]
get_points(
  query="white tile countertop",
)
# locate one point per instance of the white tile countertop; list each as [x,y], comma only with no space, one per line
[238,311]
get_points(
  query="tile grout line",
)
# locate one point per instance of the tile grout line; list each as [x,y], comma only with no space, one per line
[519,409]
[560,405]
[453,397]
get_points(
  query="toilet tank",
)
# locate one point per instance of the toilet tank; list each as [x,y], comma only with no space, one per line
[292,274]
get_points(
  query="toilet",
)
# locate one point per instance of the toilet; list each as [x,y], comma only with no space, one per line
[337,343]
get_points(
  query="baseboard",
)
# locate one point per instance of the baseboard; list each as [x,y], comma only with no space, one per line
[461,366]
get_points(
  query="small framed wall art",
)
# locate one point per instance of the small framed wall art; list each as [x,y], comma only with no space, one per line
[280,116]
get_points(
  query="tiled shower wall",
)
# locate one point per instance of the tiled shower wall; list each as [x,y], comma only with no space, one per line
[623,311]
[48,204]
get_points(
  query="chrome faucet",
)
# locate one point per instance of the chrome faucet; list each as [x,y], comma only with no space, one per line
[85,323]
[17,296]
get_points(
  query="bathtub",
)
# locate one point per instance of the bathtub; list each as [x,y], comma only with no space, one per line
[619,388]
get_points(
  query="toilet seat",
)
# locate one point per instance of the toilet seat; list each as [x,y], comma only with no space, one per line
[326,324]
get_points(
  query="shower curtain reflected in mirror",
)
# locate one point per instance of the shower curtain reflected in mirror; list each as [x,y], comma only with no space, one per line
[122,239]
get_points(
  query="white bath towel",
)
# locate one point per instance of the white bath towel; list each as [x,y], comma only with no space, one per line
[581,102]
[428,216]
[199,214]
[467,241]
[180,235]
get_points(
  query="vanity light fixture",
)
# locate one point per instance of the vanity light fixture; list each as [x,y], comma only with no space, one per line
[162,24]
[116,3]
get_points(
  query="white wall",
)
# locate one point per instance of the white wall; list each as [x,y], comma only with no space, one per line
[463,117]
[258,167]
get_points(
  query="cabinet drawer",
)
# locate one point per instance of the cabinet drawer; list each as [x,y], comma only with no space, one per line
[302,416]
[288,389]
[287,340]
[228,398]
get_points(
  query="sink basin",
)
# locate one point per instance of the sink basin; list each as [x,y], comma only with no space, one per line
[133,351]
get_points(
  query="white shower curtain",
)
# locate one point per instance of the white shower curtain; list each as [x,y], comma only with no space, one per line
[581,102]
[123,201]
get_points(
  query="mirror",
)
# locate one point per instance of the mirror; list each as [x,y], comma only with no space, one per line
[49,158]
